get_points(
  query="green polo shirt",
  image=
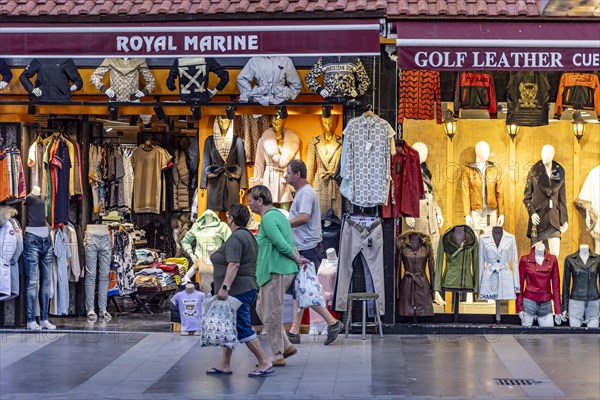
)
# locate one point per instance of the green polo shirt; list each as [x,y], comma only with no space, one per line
[275,247]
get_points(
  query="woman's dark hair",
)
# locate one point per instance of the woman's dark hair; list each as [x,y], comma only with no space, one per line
[261,192]
[239,214]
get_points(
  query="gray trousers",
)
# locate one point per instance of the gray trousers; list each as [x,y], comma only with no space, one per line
[356,239]
[98,250]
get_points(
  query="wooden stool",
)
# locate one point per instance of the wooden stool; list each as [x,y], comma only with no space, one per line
[364,297]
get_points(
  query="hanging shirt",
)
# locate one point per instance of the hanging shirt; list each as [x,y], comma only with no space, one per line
[365,168]
[148,163]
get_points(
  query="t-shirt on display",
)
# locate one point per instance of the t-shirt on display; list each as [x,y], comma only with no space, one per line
[148,164]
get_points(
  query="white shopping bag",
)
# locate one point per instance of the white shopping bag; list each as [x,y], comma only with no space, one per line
[308,291]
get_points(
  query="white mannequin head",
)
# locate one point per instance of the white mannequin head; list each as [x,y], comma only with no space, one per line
[331,255]
[482,151]
[547,154]
[421,148]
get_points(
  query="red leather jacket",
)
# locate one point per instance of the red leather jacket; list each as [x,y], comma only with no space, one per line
[541,282]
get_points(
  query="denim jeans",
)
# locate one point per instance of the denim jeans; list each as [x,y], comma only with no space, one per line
[38,261]
[98,249]
[245,333]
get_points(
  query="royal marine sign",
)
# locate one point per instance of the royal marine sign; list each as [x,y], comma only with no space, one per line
[207,39]
[492,45]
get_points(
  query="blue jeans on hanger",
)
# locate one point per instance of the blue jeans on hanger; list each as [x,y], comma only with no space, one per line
[38,262]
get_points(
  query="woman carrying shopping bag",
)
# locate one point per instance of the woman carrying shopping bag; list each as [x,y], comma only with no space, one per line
[235,275]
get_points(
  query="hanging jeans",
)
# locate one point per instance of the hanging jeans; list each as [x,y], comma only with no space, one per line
[38,262]
[98,249]
[358,239]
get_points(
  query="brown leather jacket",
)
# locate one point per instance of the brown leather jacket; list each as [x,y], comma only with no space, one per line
[472,197]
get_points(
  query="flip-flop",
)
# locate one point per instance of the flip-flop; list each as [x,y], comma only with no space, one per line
[217,371]
[260,373]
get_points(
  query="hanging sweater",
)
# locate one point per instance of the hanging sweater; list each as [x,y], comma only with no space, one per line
[475,91]
[419,95]
[343,77]
[124,77]
[578,90]
[276,80]
[193,78]
[54,79]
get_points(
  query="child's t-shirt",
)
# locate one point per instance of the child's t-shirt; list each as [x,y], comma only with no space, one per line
[190,309]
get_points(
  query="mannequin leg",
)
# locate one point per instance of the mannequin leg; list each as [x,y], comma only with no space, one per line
[103,271]
[592,314]
[527,320]
[45,278]
[32,259]
[554,246]
[546,320]
[91,261]
[576,311]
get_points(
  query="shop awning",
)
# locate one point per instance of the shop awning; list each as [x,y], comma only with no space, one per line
[498,45]
[186,39]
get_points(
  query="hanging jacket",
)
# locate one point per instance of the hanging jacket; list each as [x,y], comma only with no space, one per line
[54,78]
[193,78]
[578,90]
[321,163]
[539,282]
[497,280]
[419,95]
[276,80]
[414,293]
[540,191]
[331,229]
[527,98]
[472,191]
[124,77]
[585,277]
[224,177]
[459,262]
[5,71]
[209,233]
[342,77]
[475,91]
[407,184]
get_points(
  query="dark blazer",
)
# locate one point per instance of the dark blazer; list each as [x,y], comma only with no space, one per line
[224,179]
[586,279]
[540,189]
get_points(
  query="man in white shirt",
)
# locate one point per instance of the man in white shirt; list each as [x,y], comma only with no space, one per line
[305,218]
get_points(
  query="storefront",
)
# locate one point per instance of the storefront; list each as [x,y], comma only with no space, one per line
[104,133]
[476,77]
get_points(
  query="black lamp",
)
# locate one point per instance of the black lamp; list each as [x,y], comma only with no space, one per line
[513,131]
[578,125]
[159,112]
[449,123]
[196,113]
[230,112]
[114,112]
[282,112]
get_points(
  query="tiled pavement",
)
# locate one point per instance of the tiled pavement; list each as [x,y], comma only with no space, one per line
[141,365]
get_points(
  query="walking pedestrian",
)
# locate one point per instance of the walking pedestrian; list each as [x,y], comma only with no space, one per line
[235,275]
[276,268]
[305,219]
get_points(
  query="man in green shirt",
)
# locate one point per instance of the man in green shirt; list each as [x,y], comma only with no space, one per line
[276,268]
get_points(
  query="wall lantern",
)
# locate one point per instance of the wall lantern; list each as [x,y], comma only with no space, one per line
[449,123]
[578,125]
[513,131]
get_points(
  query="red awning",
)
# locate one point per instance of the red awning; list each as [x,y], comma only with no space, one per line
[498,45]
[185,39]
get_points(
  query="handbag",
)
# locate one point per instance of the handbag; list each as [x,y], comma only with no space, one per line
[308,291]
[219,322]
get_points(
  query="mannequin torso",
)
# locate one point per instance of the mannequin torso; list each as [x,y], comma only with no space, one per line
[584,253]
[497,233]
[458,234]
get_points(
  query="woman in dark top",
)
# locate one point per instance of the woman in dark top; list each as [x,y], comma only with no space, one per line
[235,275]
